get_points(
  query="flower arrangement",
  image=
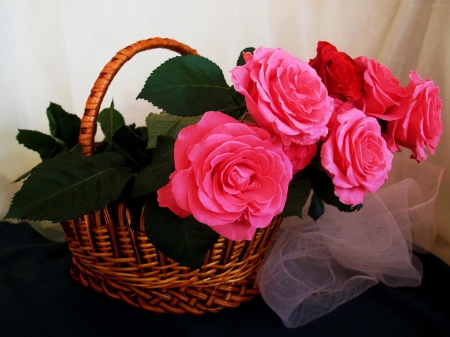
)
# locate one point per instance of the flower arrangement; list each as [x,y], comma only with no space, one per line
[225,160]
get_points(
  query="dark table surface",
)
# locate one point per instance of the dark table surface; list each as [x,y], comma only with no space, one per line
[38,298]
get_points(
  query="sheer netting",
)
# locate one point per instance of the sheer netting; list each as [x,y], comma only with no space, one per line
[316,266]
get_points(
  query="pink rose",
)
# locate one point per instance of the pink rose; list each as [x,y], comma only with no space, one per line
[284,95]
[381,90]
[421,125]
[229,175]
[356,157]
[339,107]
[300,155]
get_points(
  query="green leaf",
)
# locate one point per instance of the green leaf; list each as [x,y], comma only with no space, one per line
[142,133]
[166,124]
[298,193]
[110,121]
[22,177]
[247,118]
[239,99]
[68,186]
[127,141]
[184,240]
[241,60]
[63,125]
[188,86]
[76,149]
[316,208]
[323,186]
[156,175]
[45,145]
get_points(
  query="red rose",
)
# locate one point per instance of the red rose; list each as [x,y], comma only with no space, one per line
[338,71]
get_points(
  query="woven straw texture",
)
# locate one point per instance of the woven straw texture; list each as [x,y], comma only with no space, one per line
[112,254]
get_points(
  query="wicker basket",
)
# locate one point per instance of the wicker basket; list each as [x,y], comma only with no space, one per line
[113,257]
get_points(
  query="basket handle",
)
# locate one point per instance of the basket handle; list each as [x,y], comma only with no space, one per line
[98,91]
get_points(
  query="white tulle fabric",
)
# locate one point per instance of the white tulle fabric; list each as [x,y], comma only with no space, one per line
[316,266]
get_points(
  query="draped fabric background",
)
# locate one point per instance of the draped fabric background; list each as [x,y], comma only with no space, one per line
[52,51]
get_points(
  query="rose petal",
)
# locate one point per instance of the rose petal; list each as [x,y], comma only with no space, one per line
[166,199]
[236,231]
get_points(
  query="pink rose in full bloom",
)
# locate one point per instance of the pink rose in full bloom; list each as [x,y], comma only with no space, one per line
[284,95]
[381,91]
[356,157]
[229,175]
[421,126]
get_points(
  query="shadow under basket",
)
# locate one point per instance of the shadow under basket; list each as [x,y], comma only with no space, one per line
[113,255]
[115,259]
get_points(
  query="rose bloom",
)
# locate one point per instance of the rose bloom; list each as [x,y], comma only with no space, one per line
[421,125]
[339,108]
[229,175]
[300,155]
[356,157]
[284,95]
[338,71]
[381,91]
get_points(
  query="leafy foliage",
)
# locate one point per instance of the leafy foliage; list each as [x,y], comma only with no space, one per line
[184,240]
[127,141]
[45,145]
[188,86]
[63,125]
[110,121]
[240,102]
[316,208]
[155,175]
[324,189]
[298,193]
[68,186]
[166,124]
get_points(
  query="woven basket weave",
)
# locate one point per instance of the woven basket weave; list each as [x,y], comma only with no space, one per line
[113,257]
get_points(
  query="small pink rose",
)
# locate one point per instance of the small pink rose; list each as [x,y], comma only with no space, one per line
[356,157]
[339,108]
[381,90]
[284,95]
[421,126]
[229,175]
[300,155]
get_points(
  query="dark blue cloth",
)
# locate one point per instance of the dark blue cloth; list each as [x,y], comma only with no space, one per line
[38,298]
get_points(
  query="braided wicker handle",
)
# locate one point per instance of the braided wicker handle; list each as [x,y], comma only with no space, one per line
[98,91]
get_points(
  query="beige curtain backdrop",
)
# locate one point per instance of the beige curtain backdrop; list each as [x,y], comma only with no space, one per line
[52,51]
